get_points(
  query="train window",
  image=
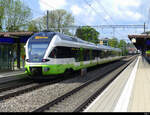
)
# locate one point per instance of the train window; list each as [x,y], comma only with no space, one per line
[93,52]
[53,53]
[80,54]
[61,52]
[77,54]
[102,54]
[86,55]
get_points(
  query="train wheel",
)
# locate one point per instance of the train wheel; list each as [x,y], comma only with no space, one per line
[68,72]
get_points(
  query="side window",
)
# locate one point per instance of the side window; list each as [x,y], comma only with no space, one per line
[61,52]
[102,54]
[85,54]
[95,53]
[53,53]
[77,54]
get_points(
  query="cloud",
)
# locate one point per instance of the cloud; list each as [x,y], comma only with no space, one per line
[83,14]
[133,15]
[107,17]
[125,10]
[121,11]
[76,10]
[52,4]
[127,3]
[112,12]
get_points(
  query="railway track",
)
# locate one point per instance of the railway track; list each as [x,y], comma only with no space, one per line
[14,84]
[62,103]
[16,87]
[23,86]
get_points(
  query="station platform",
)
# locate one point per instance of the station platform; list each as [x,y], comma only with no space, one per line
[129,92]
[11,73]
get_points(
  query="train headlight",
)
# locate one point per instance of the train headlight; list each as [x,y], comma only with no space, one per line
[46,69]
[27,60]
[45,60]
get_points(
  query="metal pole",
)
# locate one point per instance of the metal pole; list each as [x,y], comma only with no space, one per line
[47,20]
[144,27]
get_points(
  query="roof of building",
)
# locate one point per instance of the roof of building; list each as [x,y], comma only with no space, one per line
[142,41]
[16,34]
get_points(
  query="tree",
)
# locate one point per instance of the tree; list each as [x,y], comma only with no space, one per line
[123,45]
[59,19]
[147,32]
[16,15]
[88,33]
[1,13]
[113,42]
[32,26]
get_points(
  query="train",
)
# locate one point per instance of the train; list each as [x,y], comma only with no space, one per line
[54,53]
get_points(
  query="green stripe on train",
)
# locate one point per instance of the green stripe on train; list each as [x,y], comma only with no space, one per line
[61,68]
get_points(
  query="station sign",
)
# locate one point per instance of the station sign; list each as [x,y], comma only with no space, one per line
[41,37]
[7,40]
[148,42]
[101,42]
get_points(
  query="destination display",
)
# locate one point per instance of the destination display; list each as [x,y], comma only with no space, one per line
[41,37]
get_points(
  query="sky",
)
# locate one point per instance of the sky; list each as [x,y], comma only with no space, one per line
[99,12]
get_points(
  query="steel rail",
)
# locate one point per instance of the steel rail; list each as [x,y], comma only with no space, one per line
[63,97]
[99,91]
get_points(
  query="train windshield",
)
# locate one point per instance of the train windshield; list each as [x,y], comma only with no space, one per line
[37,51]
[38,44]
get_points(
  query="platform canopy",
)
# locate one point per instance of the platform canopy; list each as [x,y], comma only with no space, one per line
[141,42]
[15,34]
[13,37]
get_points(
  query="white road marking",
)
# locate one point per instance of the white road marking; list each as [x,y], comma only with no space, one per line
[123,101]
[95,101]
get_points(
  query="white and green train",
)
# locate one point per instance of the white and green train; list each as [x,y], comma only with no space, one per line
[52,53]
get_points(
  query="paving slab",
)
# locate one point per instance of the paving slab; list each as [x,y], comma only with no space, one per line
[140,98]
[108,100]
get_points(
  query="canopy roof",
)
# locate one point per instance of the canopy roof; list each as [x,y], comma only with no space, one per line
[142,41]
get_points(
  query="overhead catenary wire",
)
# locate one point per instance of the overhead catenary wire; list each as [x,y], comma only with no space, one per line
[102,16]
[80,21]
[95,11]
[106,12]
[100,4]
[47,4]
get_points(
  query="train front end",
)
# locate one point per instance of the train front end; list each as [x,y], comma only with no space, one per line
[36,48]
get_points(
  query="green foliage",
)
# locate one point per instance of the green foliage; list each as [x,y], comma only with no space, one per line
[113,42]
[15,15]
[88,33]
[59,18]
[123,45]
[32,27]
[148,52]
[148,32]
[56,19]
[1,13]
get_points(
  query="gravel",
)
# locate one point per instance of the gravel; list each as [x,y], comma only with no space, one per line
[32,100]
[71,103]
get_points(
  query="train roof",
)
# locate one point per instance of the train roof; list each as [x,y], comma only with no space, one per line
[80,41]
[75,39]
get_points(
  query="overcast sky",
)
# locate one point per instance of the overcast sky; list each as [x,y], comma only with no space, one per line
[104,12]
